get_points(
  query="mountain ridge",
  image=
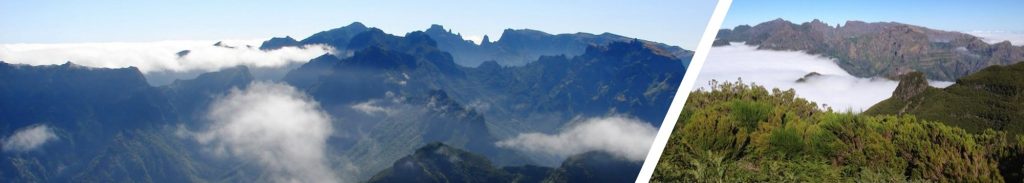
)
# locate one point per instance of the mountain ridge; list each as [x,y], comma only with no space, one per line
[880,49]
[514,47]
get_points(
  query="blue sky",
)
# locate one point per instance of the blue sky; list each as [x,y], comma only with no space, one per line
[676,22]
[956,15]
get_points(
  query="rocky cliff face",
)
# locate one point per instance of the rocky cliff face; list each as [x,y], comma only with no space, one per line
[884,49]
[911,85]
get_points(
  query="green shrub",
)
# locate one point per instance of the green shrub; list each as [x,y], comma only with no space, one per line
[786,141]
[749,113]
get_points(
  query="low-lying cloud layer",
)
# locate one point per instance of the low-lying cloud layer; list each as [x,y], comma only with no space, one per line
[1015,38]
[780,69]
[28,139]
[159,56]
[628,138]
[275,126]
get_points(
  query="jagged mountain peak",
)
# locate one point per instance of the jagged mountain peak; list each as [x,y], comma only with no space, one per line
[437,28]
[486,40]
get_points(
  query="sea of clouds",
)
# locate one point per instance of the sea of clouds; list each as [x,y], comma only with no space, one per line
[835,87]
[161,56]
[1016,38]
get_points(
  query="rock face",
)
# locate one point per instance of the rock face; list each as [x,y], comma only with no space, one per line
[884,49]
[911,84]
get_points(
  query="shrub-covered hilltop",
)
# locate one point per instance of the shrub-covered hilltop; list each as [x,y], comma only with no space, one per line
[745,133]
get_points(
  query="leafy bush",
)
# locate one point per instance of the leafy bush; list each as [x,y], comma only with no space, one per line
[749,113]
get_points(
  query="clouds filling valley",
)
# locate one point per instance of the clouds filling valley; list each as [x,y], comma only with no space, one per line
[624,137]
[781,69]
[161,56]
[274,125]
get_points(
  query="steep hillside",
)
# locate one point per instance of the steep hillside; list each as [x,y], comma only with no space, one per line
[992,98]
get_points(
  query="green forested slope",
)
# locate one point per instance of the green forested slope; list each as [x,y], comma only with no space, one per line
[992,98]
[746,133]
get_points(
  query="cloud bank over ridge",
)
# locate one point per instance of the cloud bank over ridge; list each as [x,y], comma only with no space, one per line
[159,56]
[625,137]
[780,69]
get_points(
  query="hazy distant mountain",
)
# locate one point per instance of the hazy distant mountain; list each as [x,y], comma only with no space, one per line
[988,99]
[515,47]
[335,37]
[437,162]
[192,97]
[278,43]
[884,49]
[522,46]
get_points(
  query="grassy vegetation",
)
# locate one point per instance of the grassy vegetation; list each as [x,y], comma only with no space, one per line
[992,98]
[745,133]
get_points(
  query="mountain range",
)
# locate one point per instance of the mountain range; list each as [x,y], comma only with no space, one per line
[386,95]
[412,74]
[880,49]
[515,46]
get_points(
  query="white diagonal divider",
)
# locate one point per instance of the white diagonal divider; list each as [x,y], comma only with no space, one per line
[692,72]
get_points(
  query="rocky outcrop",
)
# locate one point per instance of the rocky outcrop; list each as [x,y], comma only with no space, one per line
[911,84]
[808,77]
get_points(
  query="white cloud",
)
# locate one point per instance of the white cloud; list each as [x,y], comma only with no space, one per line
[371,107]
[275,126]
[1015,38]
[780,69]
[30,138]
[621,136]
[159,56]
